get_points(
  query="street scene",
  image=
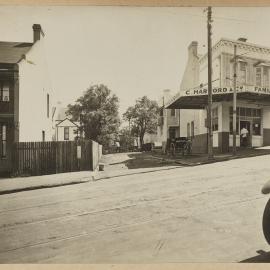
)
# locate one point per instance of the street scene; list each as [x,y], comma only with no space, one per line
[160,213]
[128,137]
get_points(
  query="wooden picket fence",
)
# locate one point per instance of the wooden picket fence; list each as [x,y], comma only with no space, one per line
[39,158]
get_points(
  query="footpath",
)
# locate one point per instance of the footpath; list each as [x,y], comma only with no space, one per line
[121,164]
[200,159]
[18,184]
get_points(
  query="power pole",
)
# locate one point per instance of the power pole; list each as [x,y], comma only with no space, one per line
[209,108]
[234,101]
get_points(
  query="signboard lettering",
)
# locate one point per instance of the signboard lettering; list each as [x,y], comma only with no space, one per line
[226,90]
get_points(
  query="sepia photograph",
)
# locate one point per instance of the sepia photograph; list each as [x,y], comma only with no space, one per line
[134,134]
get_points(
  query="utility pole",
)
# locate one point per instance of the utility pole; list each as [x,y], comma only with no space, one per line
[234,101]
[209,108]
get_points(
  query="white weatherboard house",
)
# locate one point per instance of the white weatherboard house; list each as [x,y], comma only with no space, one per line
[25,94]
[253,95]
[66,130]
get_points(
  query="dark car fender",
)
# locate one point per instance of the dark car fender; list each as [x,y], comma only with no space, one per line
[266,188]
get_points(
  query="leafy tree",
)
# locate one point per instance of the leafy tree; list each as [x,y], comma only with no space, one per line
[126,138]
[142,117]
[97,110]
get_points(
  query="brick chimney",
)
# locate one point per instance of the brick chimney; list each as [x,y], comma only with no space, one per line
[193,48]
[37,32]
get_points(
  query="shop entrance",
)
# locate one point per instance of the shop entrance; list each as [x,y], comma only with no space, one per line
[245,139]
[172,133]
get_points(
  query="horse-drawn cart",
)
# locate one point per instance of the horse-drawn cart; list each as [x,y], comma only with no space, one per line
[179,145]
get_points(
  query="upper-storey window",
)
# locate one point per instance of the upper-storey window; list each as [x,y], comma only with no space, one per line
[173,113]
[242,73]
[4,91]
[266,76]
[262,76]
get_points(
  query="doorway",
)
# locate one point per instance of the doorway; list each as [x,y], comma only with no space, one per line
[245,141]
[172,133]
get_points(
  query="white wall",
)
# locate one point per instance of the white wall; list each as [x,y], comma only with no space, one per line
[266,117]
[34,85]
[60,133]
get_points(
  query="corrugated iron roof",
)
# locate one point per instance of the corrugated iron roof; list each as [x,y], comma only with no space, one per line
[12,52]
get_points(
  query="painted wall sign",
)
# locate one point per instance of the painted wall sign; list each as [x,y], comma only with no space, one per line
[226,90]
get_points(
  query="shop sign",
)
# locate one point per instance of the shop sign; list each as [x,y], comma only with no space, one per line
[226,90]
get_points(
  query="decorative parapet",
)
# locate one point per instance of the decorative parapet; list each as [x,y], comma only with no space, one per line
[240,45]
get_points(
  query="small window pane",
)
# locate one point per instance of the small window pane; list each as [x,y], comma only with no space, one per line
[256,128]
[172,112]
[66,133]
[5,92]
[248,112]
[242,112]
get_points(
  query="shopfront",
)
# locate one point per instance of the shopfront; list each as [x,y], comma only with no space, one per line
[253,114]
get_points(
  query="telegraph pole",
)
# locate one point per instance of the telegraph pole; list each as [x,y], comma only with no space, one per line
[209,108]
[234,101]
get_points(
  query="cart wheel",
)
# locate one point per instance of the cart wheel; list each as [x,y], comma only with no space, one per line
[266,222]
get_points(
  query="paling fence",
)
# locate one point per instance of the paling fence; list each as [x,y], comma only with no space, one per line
[39,158]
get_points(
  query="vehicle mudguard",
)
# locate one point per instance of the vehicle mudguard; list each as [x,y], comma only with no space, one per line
[266,188]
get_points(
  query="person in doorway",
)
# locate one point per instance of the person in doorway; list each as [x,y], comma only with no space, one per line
[244,136]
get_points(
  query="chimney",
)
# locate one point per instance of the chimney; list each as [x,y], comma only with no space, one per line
[37,31]
[166,95]
[193,48]
[242,39]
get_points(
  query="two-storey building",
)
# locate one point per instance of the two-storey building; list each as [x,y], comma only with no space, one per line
[25,95]
[253,95]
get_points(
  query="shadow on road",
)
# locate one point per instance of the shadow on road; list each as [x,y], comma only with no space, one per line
[143,160]
[263,257]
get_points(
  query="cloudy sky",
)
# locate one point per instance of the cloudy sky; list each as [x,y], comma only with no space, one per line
[135,51]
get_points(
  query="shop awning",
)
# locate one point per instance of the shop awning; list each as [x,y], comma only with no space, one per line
[198,98]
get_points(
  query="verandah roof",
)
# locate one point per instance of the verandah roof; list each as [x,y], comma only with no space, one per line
[200,101]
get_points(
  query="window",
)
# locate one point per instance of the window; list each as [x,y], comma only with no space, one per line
[258,76]
[192,129]
[48,105]
[215,119]
[66,133]
[247,114]
[242,73]
[3,137]
[4,91]
[172,112]
[266,76]
[256,127]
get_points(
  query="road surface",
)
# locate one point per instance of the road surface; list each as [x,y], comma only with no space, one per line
[208,213]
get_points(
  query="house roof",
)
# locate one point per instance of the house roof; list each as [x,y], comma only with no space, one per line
[12,52]
[67,123]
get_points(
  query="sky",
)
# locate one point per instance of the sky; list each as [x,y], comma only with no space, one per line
[135,51]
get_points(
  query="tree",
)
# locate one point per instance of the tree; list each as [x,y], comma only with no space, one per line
[126,138]
[142,117]
[97,110]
